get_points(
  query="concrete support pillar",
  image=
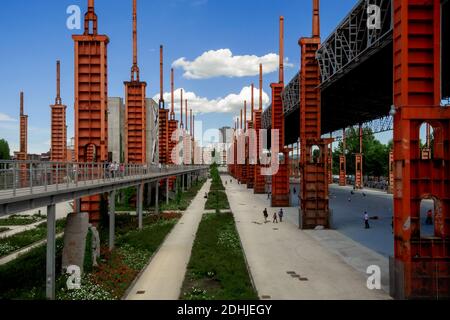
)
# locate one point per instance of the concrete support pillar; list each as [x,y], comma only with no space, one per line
[182,182]
[157,198]
[167,191]
[51,252]
[112,220]
[139,196]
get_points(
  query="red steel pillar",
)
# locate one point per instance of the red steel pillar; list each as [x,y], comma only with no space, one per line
[330,162]
[359,177]
[164,156]
[91,97]
[260,181]
[391,172]
[135,108]
[421,266]
[173,126]
[250,144]
[23,151]
[314,209]
[280,180]
[343,162]
[58,151]
[244,144]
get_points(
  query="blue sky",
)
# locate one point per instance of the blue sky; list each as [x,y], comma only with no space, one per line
[35,36]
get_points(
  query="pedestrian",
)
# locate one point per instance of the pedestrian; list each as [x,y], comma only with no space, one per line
[295,191]
[266,215]
[122,170]
[349,199]
[429,220]
[281,214]
[275,218]
[366,220]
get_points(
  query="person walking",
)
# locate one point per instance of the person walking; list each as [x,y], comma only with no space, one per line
[366,220]
[275,218]
[266,215]
[281,214]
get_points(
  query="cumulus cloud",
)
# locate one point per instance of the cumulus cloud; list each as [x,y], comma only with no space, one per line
[222,63]
[6,118]
[232,103]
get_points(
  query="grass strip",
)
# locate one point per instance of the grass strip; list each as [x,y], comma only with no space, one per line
[217,269]
[27,238]
[18,220]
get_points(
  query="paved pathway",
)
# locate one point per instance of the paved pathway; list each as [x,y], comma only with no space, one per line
[274,250]
[164,276]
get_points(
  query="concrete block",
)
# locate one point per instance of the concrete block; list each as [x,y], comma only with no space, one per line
[75,240]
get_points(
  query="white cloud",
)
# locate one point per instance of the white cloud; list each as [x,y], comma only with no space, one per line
[232,103]
[6,118]
[222,63]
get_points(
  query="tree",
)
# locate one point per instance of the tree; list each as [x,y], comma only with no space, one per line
[4,150]
[376,154]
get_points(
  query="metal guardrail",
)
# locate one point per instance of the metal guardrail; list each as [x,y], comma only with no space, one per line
[38,176]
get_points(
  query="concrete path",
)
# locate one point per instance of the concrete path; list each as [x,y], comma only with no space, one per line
[287,263]
[164,276]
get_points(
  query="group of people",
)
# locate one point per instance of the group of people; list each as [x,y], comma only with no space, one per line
[276,215]
[114,169]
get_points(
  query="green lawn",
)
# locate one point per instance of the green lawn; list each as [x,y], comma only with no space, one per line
[217,200]
[118,269]
[217,268]
[18,220]
[26,238]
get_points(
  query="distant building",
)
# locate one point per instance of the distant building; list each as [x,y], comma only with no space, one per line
[116,129]
[226,135]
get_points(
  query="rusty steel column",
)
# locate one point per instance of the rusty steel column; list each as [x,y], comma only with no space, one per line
[260,181]
[135,108]
[186,137]
[244,145]
[421,266]
[173,126]
[91,97]
[23,151]
[391,172]
[314,209]
[250,146]
[58,151]
[343,162]
[164,156]
[280,180]
[359,178]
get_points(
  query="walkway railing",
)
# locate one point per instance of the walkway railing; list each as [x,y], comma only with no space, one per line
[39,176]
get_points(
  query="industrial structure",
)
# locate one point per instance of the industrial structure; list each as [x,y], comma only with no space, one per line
[406,52]
[407,55]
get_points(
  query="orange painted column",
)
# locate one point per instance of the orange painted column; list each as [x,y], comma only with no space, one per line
[421,268]
[91,97]
[260,180]
[280,180]
[58,151]
[173,127]
[391,172]
[22,155]
[359,176]
[314,209]
[343,162]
